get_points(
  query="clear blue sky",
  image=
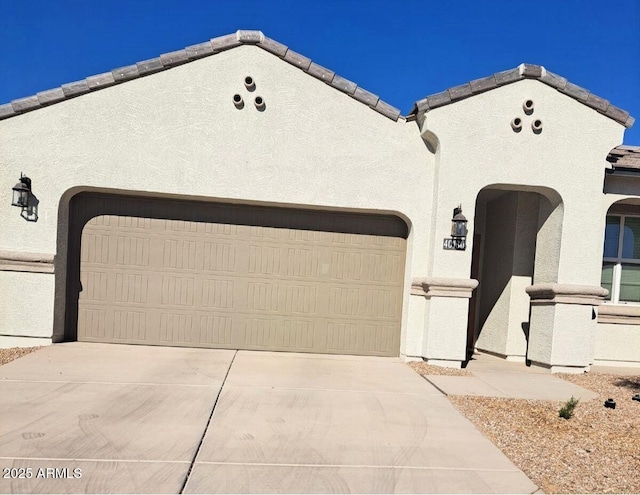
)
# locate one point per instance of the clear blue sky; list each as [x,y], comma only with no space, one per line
[401,50]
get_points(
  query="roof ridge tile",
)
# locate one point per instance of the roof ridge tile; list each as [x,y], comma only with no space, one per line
[100,80]
[460,92]
[274,47]
[531,70]
[387,110]
[199,50]
[321,73]
[50,96]
[6,110]
[484,84]
[24,104]
[150,66]
[125,73]
[174,58]
[343,84]
[298,60]
[508,76]
[366,97]
[75,88]
[225,42]
[249,36]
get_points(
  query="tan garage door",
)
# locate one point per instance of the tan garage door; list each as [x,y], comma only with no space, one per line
[238,277]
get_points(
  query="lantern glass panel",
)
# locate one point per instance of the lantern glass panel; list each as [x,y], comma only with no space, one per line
[20,197]
[459,229]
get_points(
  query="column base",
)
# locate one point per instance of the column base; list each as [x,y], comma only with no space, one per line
[511,358]
[8,341]
[554,368]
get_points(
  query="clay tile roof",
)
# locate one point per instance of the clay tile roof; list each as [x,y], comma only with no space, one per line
[625,157]
[190,53]
[523,71]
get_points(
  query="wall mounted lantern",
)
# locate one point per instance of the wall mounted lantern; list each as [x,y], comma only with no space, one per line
[24,199]
[458,224]
[21,192]
[458,239]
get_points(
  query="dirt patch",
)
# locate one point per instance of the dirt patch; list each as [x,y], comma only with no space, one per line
[12,353]
[596,451]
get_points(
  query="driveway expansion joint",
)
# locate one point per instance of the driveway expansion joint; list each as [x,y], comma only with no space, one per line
[82,459]
[435,386]
[357,466]
[206,428]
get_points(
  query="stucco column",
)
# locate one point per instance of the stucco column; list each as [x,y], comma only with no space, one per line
[446,315]
[563,325]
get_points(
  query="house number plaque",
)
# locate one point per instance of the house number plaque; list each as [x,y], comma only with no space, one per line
[454,244]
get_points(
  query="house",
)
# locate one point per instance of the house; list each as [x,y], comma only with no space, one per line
[235,194]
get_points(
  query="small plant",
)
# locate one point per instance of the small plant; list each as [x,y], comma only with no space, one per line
[566,411]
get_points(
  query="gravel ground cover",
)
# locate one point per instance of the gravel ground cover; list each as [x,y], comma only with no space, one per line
[423,368]
[596,451]
[8,355]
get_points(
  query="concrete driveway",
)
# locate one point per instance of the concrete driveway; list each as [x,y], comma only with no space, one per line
[102,418]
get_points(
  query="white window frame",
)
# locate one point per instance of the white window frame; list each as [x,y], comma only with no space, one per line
[618,261]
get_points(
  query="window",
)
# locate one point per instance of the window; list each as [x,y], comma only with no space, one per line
[621,263]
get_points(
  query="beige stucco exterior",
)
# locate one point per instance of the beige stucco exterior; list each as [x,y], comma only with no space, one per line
[476,148]
[177,134]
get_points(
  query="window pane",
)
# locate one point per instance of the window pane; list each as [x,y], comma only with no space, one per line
[631,238]
[630,283]
[606,280]
[611,237]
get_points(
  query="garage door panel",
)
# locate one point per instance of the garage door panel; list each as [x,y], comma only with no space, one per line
[260,283]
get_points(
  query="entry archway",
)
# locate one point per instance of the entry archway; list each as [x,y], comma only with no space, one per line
[517,232]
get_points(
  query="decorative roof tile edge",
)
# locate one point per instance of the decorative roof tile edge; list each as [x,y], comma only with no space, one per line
[523,71]
[625,157]
[188,54]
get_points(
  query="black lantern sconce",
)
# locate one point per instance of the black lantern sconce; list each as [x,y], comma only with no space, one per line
[23,198]
[458,239]
[458,224]
[21,192]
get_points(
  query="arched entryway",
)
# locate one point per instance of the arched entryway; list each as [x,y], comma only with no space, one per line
[516,243]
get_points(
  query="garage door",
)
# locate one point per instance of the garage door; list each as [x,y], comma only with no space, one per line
[237,277]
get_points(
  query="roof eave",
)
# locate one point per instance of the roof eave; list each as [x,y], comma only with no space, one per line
[523,71]
[189,54]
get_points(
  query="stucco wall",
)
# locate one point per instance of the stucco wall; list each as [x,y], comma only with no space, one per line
[178,133]
[478,148]
[27,304]
[443,340]
[617,343]
[523,268]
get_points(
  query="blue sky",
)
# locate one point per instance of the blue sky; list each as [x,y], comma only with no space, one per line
[400,50]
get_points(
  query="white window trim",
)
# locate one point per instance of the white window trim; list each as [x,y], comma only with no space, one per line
[618,261]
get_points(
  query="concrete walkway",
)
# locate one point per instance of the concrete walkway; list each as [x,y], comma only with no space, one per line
[496,377]
[99,418]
